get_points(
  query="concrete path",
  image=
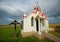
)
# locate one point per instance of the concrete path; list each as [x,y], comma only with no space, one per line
[48,35]
[52,37]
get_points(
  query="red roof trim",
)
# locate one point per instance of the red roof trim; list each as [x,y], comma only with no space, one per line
[24,16]
[42,14]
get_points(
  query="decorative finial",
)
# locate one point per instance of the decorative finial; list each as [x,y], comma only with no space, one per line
[37,1]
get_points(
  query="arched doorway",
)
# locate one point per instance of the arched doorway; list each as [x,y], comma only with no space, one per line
[37,25]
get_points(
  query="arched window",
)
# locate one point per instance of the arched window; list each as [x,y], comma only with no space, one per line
[32,21]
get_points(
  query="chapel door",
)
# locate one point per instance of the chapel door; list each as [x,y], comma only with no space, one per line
[37,25]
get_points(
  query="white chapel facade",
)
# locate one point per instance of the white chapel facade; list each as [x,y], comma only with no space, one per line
[36,21]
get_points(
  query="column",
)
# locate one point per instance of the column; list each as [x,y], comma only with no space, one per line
[35,25]
[24,25]
[39,25]
[46,26]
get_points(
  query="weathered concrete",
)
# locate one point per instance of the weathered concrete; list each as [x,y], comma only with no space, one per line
[25,34]
[52,37]
[39,36]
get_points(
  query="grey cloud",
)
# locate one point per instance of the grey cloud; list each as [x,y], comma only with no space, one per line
[50,7]
[6,18]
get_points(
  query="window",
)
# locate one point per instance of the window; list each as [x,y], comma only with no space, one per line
[32,21]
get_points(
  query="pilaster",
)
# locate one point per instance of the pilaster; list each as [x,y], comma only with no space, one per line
[39,26]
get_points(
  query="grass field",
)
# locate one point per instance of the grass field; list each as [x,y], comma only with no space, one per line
[54,25]
[7,35]
[57,34]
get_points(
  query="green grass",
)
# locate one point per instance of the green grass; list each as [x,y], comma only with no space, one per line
[57,34]
[8,32]
[57,29]
[7,35]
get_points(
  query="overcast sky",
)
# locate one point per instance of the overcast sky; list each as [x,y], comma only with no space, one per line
[14,9]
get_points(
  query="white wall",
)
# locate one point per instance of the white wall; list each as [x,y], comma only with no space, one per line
[27,24]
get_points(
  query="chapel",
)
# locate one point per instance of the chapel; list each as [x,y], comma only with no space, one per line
[36,21]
